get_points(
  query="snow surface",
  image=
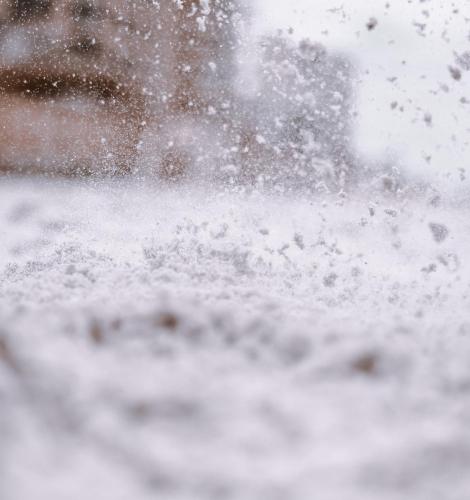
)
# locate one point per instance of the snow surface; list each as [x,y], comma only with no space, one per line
[162,343]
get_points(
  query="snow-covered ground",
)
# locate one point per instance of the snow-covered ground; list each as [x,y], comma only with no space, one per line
[173,344]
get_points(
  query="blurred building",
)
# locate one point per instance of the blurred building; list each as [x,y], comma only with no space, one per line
[81,79]
[90,85]
[302,117]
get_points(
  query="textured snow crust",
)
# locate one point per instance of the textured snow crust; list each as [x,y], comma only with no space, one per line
[163,343]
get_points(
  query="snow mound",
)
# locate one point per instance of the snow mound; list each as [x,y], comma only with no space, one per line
[162,343]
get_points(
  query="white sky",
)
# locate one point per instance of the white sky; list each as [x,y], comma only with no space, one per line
[397,48]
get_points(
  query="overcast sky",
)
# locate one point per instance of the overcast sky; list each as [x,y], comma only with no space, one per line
[404,59]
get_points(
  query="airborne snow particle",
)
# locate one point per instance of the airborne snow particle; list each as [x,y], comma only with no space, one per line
[299,241]
[330,280]
[463,60]
[372,23]
[428,119]
[455,73]
[439,232]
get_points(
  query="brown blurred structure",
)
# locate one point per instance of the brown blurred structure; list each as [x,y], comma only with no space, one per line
[81,79]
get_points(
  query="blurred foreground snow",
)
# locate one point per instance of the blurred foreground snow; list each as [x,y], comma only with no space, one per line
[183,345]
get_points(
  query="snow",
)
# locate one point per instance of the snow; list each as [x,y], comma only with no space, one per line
[404,63]
[175,342]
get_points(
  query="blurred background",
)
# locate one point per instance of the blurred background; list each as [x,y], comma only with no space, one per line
[411,107]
